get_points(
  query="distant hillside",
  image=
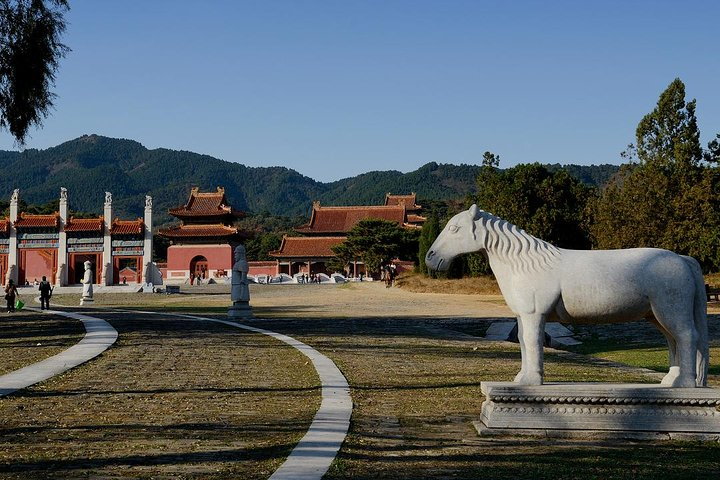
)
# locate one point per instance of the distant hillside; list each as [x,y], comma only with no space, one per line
[90,165]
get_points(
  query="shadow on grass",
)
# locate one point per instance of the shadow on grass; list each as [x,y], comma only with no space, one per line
[523,458]
[276,452]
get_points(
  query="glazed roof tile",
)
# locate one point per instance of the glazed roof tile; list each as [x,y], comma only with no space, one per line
[307,247]
[127,227]
[342,219]
[187,231]
[4,225]
[85,225]
[27,220]
[407,200]
[412,218]
[203,204]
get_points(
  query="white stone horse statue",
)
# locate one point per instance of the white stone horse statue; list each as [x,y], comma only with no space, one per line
[541,282]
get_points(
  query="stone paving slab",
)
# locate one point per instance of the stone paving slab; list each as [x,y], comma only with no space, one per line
[100,335]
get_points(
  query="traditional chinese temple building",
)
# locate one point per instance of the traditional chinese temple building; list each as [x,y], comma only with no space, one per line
[56,246]
[412,209]
[203,243]
[329,226]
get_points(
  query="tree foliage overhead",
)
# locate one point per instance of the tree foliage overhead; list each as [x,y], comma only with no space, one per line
[30,53]
[668,198]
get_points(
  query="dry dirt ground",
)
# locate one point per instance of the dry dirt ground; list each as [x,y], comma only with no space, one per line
[179,399]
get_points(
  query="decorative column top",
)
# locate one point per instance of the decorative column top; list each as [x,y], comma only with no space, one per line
[108,198]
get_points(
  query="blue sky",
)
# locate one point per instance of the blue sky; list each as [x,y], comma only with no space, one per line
[336,88]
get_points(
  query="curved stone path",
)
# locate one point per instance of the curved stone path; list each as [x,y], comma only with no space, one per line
[98,337]
[312,456]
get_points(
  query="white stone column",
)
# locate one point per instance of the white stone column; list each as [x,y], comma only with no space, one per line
[107,242]
[61,274]
[148,242]
[12,271]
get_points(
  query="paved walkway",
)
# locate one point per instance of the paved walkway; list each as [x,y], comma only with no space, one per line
[312,456]
[100,335]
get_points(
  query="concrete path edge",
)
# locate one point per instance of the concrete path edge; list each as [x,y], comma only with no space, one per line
[98,337]
[312,456]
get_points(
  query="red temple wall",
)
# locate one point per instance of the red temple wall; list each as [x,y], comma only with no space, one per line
[36,263]
[218,256]
[263,268]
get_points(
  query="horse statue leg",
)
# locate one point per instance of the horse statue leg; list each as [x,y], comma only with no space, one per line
[682,342]
[531,335]
[674,371]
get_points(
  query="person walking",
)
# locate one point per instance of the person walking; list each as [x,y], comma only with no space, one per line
[10,294]
[45,294]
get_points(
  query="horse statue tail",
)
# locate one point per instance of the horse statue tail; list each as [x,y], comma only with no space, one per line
[700,318]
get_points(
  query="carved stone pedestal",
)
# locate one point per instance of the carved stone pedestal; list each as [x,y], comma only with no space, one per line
[240,310]
[600,410]
[86,301]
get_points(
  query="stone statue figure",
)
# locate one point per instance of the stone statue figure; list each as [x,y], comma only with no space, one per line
[148,201]
[15,195]
[87,283]
[541,282]
[63,193]
[108,198]
[240,291]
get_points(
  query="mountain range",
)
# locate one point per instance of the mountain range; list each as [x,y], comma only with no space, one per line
[91,165]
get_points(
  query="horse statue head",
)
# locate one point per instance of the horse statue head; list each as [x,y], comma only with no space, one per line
[460,235]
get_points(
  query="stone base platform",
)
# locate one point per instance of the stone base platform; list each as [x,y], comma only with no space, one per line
[240,310]
[600,410]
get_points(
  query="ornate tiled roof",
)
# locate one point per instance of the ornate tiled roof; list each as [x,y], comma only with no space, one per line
[307,247]
[407,200]
[27,220]
[127,227]
[4,225]
[326,220]
[204,204]
[412,218]
[199,231]
[85,225]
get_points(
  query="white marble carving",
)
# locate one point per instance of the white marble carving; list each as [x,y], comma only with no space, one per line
[87,283]
[541,282]
[240,290]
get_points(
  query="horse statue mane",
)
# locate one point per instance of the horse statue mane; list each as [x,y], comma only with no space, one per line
[514,246]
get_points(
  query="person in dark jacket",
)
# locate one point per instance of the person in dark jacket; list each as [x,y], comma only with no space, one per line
[45,294]
[10,294]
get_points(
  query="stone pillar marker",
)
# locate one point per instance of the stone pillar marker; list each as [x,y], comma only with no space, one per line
[12,271]
[61,274]
[107,241]
[240,292]
[148,269]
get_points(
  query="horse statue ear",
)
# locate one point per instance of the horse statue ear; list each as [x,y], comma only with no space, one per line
[473,210]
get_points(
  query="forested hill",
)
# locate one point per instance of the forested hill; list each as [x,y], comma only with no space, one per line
[91,165]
